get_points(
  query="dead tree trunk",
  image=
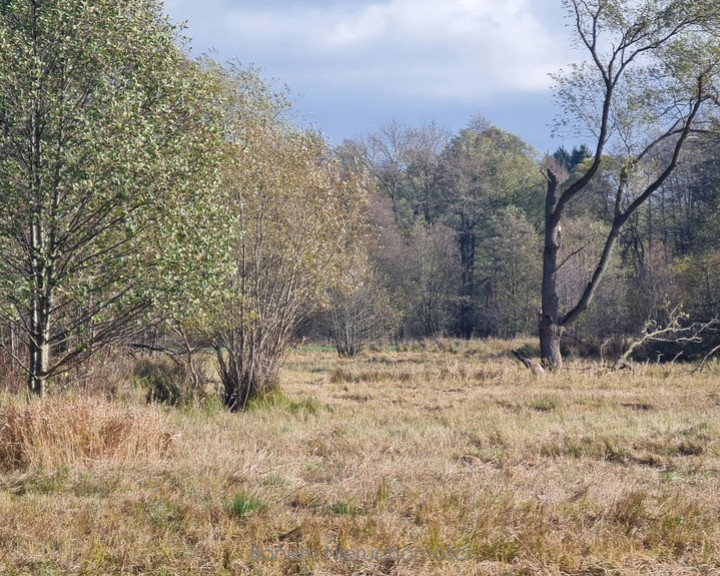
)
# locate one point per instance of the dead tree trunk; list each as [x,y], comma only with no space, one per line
[550,336]
[552,323]
[610,62]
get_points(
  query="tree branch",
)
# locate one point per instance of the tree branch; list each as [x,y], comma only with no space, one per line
[569,257]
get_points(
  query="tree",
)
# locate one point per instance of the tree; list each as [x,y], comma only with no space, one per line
[569,160]
[106,135]
[404,161]
[433,270]
[651,79]
[509,264]
[360,312]
[298,212]
[483,170]
[419,272]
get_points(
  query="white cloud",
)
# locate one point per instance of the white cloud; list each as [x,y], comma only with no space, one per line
[354,64]
[457,49]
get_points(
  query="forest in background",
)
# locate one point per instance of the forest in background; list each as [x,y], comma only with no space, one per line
[173,205]
[458,222]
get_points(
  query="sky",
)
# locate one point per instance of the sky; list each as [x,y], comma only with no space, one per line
[354,65]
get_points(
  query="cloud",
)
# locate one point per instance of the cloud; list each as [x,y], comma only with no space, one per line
[354,64]
[461,49]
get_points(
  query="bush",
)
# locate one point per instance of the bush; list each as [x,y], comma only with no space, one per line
[164,382]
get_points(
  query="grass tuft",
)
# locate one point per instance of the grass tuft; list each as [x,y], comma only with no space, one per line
[243,505]
[276,399]
[79,430]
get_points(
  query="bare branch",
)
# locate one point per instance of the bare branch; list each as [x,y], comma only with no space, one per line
[565,261]
[673,332]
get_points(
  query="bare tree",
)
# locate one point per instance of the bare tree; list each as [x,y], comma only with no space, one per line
[653,74]
[360,313]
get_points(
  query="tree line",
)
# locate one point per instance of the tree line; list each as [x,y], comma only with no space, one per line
[647,96]
[458,243]
[144,193]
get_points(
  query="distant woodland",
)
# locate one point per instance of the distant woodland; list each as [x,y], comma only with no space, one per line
[457,223]
[172,205]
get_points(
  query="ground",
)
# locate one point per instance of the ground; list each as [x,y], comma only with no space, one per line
[448,449]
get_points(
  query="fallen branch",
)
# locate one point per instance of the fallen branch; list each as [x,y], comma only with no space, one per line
[674,332]
[701,366]
[533,365]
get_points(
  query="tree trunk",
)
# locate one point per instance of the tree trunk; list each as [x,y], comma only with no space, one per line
[549,328]
[550,334]
[468,243]
[246,369]
[39,351]
[41,306]
[231,376]
[36,384]
[552,323]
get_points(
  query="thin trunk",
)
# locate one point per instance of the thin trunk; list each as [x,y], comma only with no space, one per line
[39,346]
[468,247]
[241,377]
[228,375]
[14,347]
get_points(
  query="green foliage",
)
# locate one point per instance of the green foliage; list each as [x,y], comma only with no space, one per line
[698,277]
[433,248]
[276,399]
[570,160]
[108,148]
[484,171]
[343,508]
[509,262]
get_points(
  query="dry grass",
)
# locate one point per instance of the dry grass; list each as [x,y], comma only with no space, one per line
[70,431]
[444,445]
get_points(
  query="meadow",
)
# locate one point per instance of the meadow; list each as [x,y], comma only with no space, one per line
[439,458]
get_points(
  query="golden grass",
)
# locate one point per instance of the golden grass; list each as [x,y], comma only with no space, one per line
[443,446]
[78,430]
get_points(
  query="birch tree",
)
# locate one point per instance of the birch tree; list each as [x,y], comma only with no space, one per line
[106,135]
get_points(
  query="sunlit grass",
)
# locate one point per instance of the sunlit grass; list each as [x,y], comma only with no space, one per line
[445,445]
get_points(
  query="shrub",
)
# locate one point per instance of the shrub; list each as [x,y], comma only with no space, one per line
[165,382]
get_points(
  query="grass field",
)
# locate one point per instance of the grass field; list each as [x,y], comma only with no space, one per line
[446,458]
